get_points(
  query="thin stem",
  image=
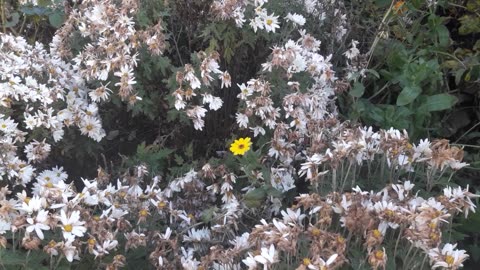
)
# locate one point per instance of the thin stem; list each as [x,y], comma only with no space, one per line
[398,241]
[468,131]
[465,145]
[377,36]
[424,260]
[176,47]
[2,3]
[379,91]
[346,175]
[334,179]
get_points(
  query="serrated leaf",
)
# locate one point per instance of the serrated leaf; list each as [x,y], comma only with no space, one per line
[178,159]
[440,102]
[408,94]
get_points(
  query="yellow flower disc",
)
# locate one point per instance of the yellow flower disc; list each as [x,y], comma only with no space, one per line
[240,146]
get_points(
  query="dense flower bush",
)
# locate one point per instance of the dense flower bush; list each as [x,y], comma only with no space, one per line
[294,185]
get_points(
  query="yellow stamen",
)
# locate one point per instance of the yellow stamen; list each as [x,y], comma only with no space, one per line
[161,205]
[68,228]
[143,213]
[91,241]
[379,255]
[449,260]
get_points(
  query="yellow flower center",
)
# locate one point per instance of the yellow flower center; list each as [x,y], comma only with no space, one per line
[379,255]
[4,126]
[449,260]
[91,241]
[68,228]
[306,261]
[269,21]
[341,240]
[96,218]
[315,232]
[89,127]
[49,185]
[161,204]
[143,213]
[26,200]
[389,212]
[377,233]
[52,244]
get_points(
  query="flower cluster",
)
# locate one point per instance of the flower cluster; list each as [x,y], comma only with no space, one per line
[113,44]
[226,213]
[96,219]
[54,97]
[188,83]
[235,9]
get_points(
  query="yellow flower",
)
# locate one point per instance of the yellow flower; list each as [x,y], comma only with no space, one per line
[240,146]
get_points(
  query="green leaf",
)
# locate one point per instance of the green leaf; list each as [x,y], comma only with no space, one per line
[208,214]
[271,191]
[14,21]
[459,75]
[440,102]
[470,24]
[357,90]
[443,35]
[382,3]
[56,19]
[255,198]
[408,94]
[373,72]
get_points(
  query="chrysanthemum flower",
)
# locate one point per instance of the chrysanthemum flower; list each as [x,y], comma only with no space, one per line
[240,146]
[71,225]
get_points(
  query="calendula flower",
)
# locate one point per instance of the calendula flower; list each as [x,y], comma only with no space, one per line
[240,146]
